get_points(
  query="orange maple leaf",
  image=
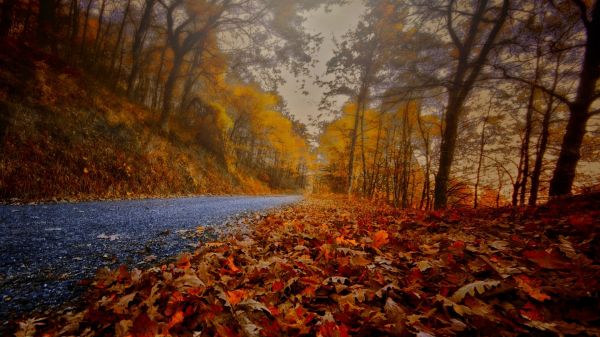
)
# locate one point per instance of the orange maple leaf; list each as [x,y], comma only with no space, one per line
[380,238]
[236,296]
[341,241]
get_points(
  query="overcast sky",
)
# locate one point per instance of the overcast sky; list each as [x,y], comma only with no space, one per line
[332,24]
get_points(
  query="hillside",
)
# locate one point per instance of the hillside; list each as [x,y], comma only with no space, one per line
[65,135]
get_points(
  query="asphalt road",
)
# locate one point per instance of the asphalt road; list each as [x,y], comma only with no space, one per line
[45,250]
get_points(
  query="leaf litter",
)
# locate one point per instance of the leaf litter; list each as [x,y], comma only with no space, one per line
[334,268]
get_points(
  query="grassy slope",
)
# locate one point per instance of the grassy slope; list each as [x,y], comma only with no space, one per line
[65,136]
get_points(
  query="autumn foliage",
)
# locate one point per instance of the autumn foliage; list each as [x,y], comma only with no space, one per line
[351,268]
[65,135]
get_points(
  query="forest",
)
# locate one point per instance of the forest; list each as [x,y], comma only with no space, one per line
[426,104]
[460,103]
[324,168]
[167,88]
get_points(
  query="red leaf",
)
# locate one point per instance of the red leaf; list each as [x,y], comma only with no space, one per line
[143,326]
[532,313]
[583,222]
[277,286]
[123,274]
[545,260]
[330,329]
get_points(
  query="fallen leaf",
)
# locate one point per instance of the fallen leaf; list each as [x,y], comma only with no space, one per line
[234,297]
[531,287]
[380,238]
[473,289]
[546,260]
[232,265]
[143,326]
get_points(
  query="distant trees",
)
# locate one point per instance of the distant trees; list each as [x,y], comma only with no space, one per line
[181,59]
[533,59]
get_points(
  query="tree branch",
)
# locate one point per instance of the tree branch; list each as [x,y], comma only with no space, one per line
[537,86]
[451,31]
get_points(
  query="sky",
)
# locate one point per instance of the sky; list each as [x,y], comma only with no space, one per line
[330,25]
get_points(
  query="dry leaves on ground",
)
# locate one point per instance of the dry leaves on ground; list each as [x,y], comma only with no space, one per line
[336,268]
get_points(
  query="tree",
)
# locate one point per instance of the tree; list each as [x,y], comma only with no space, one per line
[579,108]
[354,69]
[138,41]
[471,59]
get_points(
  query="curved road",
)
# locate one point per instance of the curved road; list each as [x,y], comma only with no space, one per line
[45,250]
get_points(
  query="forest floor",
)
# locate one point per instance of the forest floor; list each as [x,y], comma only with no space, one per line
[337,267]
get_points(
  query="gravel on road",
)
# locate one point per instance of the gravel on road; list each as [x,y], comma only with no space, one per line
[47,250]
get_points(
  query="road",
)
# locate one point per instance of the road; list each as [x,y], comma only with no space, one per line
[45,250]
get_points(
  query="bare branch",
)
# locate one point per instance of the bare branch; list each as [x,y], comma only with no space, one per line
[451,31]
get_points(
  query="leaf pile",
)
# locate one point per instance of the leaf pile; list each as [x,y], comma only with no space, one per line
[336,268]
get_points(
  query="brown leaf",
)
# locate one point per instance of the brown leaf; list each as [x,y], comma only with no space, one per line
[396,315]
[473,288]
[143,326]
[546,260]
[531,287]
[122,306]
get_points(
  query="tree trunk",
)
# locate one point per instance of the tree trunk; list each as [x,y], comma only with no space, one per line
[467,71]
[446,152]
[6,21]
[85,26]
[543,139]
[570,151]
[479,162]
[353,136]
[362,149]
[169,90]
[119,38]
[155,97]
[539,157]
[376,166]
[100,21]
[46,23]
[138,44]
[74,23]
[525,148]
[426,185]
[190,80]
[564,173]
